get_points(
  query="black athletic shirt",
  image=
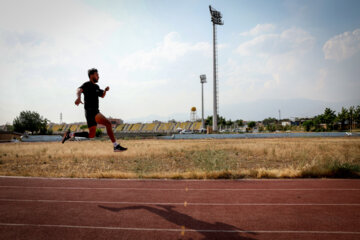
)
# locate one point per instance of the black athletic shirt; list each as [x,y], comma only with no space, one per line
[92,92]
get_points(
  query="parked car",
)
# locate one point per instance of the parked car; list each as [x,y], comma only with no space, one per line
[203,130]
[186,132]
[225,131]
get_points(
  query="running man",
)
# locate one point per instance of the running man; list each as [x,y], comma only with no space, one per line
[92,92]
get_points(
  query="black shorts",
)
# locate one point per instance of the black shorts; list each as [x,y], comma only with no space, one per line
[90,117]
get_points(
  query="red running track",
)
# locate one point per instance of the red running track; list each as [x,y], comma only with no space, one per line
[50,208]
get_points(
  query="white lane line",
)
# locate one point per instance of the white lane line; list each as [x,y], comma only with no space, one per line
[182,180]
[187,189]
[178,203]
[175,229]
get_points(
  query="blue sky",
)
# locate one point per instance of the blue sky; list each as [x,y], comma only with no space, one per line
[300,56]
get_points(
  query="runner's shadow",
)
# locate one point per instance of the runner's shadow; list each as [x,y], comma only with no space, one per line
[181,219]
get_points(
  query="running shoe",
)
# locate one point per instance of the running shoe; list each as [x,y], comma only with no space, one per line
[119,148]
[66,136]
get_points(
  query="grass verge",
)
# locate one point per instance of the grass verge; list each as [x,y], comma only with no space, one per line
[186,159]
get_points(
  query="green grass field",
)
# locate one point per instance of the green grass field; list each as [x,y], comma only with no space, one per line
[223,158]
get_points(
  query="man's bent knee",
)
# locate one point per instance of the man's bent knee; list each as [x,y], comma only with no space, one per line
[92,132]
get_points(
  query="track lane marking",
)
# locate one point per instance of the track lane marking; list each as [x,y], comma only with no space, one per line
[188,189]
[180,180]
[179,203]
[177,229]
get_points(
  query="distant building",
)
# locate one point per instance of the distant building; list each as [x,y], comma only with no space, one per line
[285,123]
[115,121]
[323,126]
[259,124]
[6,136]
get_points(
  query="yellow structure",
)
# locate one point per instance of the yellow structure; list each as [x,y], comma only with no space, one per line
[196,126]
[185,125]
[119,128]
[166,127]
[135,127]
[126,127]
[57,127]
[149,127]
[73,127]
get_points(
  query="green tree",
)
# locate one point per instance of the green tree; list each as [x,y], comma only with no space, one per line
[98,132]
[342,117]
[239,122]
[221,121]
[271,127]
[30,121]
[83,127]
[208,121]
[9,127]
[357,115]
[269,120]
[329,118]
[351,116]
[308,124]
[251,124]
[229,122]
[318,120]
[279,127]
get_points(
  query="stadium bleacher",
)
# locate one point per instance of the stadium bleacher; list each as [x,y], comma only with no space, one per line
[196,126]
[177,125]
[57,127]
[135,127]
[119,128]
[166,127]
[66,127]
[185,125]
[126,127]
[74,127]
[149,127]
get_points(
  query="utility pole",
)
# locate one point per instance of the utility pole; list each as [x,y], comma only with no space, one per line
[279,115]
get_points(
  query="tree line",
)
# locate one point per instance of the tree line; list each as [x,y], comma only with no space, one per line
[347,118]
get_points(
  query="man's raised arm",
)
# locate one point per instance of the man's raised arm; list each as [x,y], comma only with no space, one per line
[106,89]
[78,93]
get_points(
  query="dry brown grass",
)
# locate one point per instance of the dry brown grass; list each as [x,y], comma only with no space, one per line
[223,158]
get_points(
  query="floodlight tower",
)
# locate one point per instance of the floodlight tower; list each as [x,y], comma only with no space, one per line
[216,18]
[202,81]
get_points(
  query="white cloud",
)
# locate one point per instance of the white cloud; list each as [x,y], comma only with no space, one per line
[293,39]
[169,50]
[285,64]
[46,47]
[52,32]
[67,18]
[342,46]
[270,65]
[259,29]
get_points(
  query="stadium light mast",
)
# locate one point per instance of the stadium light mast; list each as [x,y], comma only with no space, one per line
[202,81]
[216,18]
